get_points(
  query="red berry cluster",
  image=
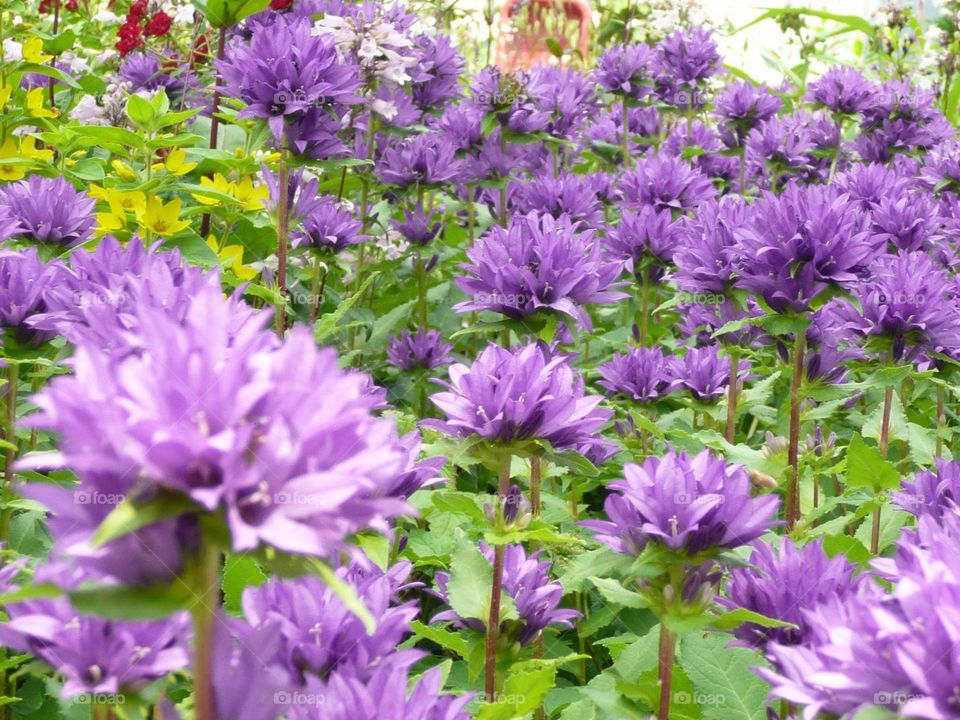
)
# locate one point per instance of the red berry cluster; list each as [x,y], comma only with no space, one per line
[137,26]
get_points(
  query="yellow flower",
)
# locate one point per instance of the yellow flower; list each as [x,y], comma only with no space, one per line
[110,222]
[5,91]
[33,51]
[160,218]
[123,170]
[250,196]
[218,183]
[35,104]
[23,148]
[28,149]
[126,202]
[174,163]
[231,257]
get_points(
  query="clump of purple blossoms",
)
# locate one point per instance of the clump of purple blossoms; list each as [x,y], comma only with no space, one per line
[665,182]
[689,505]
[641,374]
[685,60]
[740,107]
[568,194]
[626,70]
[932,493]
[842,90]
[419,228]
[295,81]
[784,584]
[538,264]
[705,374]
[901,120]
[527,580]
[422,160]
[93,654]
[327,226]
[424,349]
[26,283]
[49,211]
[705,254]
[796,245]
[439,65]
[233,420]
[644,241]
[523,394]
[566,95]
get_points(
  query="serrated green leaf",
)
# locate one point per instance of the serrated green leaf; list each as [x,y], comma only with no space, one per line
[726,676]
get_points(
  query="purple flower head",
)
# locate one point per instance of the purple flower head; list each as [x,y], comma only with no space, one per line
[665,182]
[605,133]
[705,142]
[94,655]
[566,95]
[419,228]
[932,493]
[705,253]
[700,320]
[527,580]
[842,90]
[784,584]
[327,226]
[941,169]
[869,184]
[49,211]
[510,396]
[143,72]
[9,224]
[797,244]
[26,283]
[320,634]
[421,160]
[909,301]
[424,349]
[779,148]
[907,222]
[386,694]
[740,107]
[572,195]
[506,95]
[644,241]
[690,505]
[642,374]
[901,119]
[626,70]
[685,59]
[705,374]
[287,74]
[538,264]
[416,474]
[461,127]
[272,434]
[439,66]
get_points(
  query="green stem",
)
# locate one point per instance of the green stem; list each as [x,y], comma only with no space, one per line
[204,616]
[496,586]
[10,435]
[421,290]
[535,473]
[884,444]
[626,134]
[941,418]
[732,394]
[320,272]
[283,232]
[793,457]
[668,646]
[214,120]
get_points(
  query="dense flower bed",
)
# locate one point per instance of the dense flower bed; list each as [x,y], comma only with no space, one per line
[348,378]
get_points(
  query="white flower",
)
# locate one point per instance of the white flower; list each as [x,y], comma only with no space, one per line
[76,64]
[368,49]
[105,16]
[87,112]
[12,50]
[183,15]
[385,108]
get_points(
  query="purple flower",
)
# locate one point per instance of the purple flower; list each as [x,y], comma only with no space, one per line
[785,584]
[901,119]
[907,222]
[9,225]
[285,72]
[438,72]
[709,155]
[505,95]
[796,245]
[566,95]
[740,107]
[605,134]
[569,194]
[626,70]
[416,474]
[702,319]
[417,227]
[705,253]
[527,581]
[932,493]
[26,283]
[322,636]
[424,349]
[143,72]
[641,374]
[93,654]
[842,90]
[778,149]
[422,160]
[665,182]
[272,434]
[49,211]
[512,396]
[705,374]
[327,226]
[538,264]
[685,59]
[690,505]
[869,184]
[910,302]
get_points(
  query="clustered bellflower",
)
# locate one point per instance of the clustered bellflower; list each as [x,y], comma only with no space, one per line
[49,211]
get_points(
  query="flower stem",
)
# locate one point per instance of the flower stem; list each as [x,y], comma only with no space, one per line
[10,435]
[941,418]
[626,134]
[493,621]
[214,121]
[283,231]
[421,290]
[535,473]
[644,306]
[319,285]
[668,646]
[732,394]
[204,617]
[793,455]
[884,443]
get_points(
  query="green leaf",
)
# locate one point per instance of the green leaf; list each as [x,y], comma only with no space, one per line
[725,676]
[327,325]
[855,550]
[140,111]
[446,639]
[614,592]
[867,468]
[741,616]
[129,516]
[524,690]
[30,592]
[468,588]
[239,573]
[347,594]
